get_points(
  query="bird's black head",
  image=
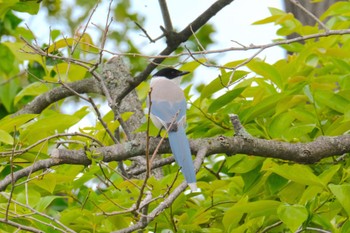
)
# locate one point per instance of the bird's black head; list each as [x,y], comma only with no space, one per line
[170,73]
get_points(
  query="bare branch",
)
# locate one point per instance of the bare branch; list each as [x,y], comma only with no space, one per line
[147,35]
[166,16]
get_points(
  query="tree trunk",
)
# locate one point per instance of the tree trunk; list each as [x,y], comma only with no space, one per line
[317,8]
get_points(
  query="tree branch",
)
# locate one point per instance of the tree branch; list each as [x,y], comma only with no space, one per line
[41,102]
[166,16]
[308,153]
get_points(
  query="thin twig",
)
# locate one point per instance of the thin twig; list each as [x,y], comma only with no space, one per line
[12,176]
[84,30]
[268,228]
[104,35]
[20,226]
[146,33]
[22,151]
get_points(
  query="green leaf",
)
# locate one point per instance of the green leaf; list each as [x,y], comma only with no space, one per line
[9,123]
[332,100]
[225,99]
[62,43]
[44,202]
[33,89]
[267,71]
[7,59]
[346,227]
[292,216]
[301,174]
[47,126]
[23,53]
[287,103]
[275,183]
[70,72]
[255,209]
[278,17]
[5,5]
[280,124]
[7,94]
[31,7]
[342,193]
[49,184]
[221,82]
[242,163]
[337,8]
[327,175]
[265,106]
[5,137]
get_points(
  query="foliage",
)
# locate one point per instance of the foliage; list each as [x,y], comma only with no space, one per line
[296,99]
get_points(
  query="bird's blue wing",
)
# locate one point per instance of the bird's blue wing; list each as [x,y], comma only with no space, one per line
[179,144]
[166,111]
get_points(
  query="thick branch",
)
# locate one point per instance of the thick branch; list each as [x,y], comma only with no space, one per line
[311,152]
[43,101]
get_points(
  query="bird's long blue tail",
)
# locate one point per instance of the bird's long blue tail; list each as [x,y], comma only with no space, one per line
[181,149]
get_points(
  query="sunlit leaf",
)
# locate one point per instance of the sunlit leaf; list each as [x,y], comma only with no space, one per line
[342,193]
[33,89]
[9,123]
[331,100]
[225,99]
[7,59]
[292,216]
[267,71]
[45,202]
[70,72]
[5,137]
[62,43]
[297,173]
[221,82]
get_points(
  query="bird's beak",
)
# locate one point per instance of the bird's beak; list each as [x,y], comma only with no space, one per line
[184,72]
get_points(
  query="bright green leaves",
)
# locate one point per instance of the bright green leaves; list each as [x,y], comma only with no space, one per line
[225,99]
[5,137]
[254,210]
[292,216]
[267,71]
[49,125]
[7,59]
[33,89]
[338,15]
[298,173]
[342,193]
[287,22]
[30,7]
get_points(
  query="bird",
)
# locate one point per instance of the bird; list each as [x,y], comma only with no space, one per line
[167,105]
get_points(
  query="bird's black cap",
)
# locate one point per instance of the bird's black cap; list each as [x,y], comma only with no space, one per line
[170,73]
